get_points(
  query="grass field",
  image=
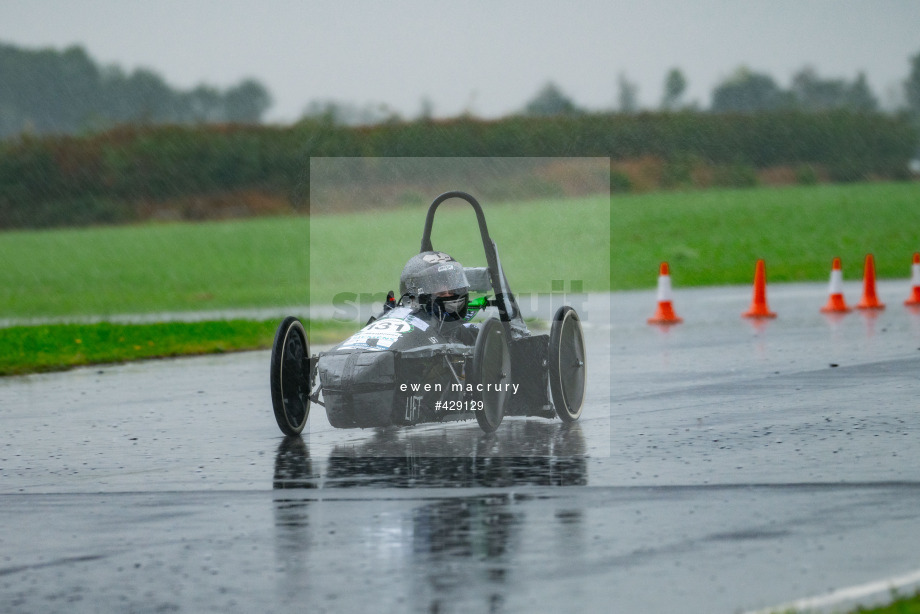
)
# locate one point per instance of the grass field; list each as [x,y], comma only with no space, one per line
[151,268]
[709,237]
[714,237]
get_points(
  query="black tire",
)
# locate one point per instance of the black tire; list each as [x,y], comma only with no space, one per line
[491,365]
[567,368]
[290,376]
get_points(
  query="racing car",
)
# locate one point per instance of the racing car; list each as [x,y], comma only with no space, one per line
[422,358]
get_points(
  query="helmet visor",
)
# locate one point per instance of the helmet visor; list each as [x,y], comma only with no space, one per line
[443,278]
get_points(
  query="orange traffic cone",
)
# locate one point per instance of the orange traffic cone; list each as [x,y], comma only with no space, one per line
[869,297]
[835,303]
[665,313]
[759,308]
[914,298]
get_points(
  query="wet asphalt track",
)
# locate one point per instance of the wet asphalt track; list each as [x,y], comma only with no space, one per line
[719,467]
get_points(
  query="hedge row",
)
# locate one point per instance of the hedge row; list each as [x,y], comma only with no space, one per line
[109,177]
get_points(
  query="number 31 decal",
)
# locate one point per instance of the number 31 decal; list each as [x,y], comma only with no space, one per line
[389,326]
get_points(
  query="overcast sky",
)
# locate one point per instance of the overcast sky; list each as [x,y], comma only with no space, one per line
[487,57]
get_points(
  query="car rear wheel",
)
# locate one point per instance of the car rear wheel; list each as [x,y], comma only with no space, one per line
[290,376]
[490,374]
[567,368]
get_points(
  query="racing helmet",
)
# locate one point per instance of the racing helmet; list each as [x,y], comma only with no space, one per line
[439,284]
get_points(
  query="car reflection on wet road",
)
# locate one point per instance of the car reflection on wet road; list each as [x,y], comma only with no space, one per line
[558,460]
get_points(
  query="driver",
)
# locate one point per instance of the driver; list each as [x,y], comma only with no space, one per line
[438,283]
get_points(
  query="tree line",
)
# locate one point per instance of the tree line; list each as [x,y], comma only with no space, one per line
[745,91]
[65,92]
[129,173]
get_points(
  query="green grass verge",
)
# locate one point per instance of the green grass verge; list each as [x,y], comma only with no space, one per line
[901,605]
[33,349]
[709,237]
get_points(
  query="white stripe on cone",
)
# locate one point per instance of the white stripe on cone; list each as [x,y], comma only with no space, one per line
[665,292]
[836,282]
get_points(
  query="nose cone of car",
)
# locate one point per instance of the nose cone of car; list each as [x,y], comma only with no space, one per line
[358,388]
